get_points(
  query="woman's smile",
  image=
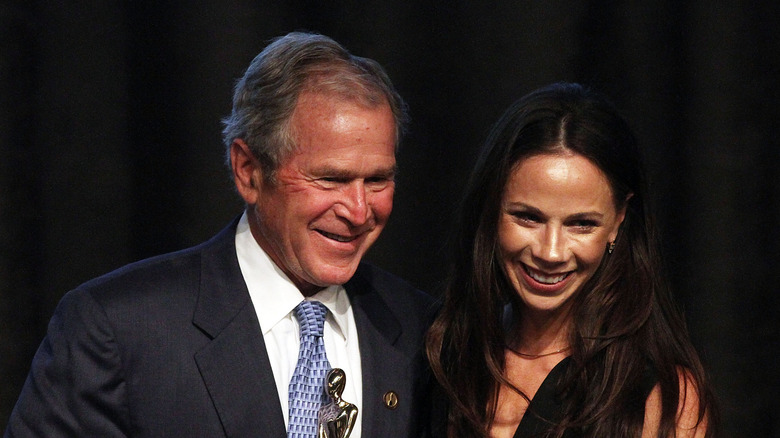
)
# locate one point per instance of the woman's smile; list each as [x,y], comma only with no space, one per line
[558,217]
[541,277]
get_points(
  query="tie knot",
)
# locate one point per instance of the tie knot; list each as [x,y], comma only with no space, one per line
[311,317]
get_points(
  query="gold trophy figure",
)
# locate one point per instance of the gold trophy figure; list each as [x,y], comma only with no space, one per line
[337,418]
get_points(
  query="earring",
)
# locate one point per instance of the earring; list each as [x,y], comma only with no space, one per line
[611,247]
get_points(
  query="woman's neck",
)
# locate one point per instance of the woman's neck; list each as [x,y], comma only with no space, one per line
[538,332]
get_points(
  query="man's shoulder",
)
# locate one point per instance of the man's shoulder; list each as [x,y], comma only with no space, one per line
[398,294]
[162,274]
[384,282]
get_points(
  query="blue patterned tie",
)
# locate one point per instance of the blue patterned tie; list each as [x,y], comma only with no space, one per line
[307,391]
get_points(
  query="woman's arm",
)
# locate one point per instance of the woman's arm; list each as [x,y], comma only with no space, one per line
[687,419]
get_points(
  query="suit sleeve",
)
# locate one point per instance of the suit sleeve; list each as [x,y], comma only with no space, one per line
[76,386]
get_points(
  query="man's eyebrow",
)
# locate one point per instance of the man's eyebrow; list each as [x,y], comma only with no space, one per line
[388,172]
[334,172]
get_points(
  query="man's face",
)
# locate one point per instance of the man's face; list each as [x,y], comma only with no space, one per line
[332,197]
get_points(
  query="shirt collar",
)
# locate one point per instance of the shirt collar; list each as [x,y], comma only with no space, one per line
[273,294]
[336,300]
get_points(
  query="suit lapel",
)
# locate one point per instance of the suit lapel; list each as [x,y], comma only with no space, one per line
[234,365]
[385,368]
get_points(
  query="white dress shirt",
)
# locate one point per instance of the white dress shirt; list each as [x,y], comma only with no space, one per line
[274,297]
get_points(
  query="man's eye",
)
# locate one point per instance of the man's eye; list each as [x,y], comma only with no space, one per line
[378,181]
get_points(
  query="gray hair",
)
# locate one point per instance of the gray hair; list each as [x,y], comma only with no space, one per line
[265,97]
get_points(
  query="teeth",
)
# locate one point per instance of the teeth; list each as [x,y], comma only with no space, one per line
[547,279]
[337,237]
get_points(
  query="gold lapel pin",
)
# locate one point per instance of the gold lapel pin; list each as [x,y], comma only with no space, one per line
[391,400]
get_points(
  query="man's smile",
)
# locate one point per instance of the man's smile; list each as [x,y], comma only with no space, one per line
[338,237]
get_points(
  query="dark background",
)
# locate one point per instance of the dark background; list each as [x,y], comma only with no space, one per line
[110,145]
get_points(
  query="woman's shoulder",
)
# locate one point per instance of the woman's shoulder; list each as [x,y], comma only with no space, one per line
[690,422]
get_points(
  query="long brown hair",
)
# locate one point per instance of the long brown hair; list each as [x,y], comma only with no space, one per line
[624,318]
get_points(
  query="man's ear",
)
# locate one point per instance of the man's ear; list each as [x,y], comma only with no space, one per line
[247,173]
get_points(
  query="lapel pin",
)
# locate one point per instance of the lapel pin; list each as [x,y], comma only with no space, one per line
[391,400]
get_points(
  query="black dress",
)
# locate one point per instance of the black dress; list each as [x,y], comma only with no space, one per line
[545,404]
[546,408]
[543,413]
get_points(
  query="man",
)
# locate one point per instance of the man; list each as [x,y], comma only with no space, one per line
[205,342]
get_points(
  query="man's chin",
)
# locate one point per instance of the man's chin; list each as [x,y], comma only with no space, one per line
[326,276]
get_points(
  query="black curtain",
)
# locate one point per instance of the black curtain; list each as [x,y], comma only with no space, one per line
[110,145]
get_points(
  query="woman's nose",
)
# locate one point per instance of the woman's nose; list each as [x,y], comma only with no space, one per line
[552,246]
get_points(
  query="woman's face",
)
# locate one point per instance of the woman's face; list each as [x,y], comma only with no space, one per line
[557,218]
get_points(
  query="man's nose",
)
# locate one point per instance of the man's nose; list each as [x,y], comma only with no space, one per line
[354,206]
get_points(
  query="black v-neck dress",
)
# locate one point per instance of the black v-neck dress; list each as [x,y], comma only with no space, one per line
[546,408]
[544,412]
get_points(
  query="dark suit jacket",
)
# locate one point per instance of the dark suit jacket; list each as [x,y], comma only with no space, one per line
[171,347]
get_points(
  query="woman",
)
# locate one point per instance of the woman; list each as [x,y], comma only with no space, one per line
[557,320]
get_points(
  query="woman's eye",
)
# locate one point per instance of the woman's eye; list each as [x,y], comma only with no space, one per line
[525,217]
[584,225]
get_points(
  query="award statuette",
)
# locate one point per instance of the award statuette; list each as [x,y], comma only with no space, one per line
[337,418]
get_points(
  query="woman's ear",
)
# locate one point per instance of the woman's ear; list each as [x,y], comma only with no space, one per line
[621,216]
